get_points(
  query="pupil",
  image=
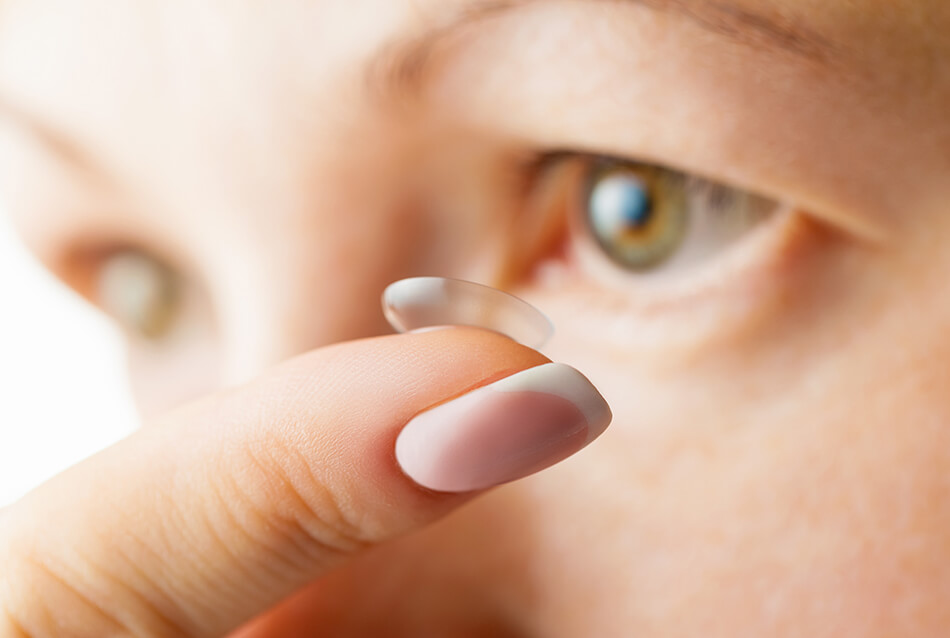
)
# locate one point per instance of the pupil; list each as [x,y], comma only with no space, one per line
[620,204]
[636,205]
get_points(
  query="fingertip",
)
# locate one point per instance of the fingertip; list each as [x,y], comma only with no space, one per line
[503,431]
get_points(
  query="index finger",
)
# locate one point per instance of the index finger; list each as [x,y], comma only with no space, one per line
[192,528]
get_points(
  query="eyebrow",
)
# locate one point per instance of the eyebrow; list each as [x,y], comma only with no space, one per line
[57,143]
[403,68]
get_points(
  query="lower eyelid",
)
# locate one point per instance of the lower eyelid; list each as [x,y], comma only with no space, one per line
[726,295]
[749,255]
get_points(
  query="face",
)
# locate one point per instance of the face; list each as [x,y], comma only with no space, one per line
[733,212]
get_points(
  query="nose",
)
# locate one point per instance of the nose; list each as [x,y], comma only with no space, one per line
[314,280]
[290,295]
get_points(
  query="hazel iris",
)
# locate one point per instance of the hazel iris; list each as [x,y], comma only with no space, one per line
[637,214]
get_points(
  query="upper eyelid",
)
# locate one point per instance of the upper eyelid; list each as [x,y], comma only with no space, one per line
[859,227]
[691,178]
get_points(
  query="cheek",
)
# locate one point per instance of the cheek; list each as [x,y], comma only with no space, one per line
[795,471]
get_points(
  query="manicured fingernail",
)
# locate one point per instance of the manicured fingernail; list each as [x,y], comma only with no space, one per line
[503,431]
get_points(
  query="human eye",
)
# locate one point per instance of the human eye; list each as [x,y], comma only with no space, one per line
[643,223]
[158,305]
[140,292]
[165,314]
[650,229]
[649,255]
[650,221]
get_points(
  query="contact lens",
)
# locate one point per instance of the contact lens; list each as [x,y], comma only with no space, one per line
[424,302]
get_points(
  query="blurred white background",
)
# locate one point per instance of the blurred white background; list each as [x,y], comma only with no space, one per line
[63,394]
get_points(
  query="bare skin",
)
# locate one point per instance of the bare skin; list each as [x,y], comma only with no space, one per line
[778,460]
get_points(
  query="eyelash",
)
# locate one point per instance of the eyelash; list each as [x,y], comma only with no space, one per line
[717,203]
[598,303]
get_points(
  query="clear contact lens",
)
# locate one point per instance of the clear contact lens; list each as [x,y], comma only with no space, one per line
[424,302]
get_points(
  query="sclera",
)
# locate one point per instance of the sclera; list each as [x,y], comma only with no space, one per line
[424,302]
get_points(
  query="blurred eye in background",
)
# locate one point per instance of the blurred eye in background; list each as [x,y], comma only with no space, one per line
[650,220]
[174,353]
[141,293]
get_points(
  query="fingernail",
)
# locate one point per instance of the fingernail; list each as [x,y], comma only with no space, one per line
[504,431]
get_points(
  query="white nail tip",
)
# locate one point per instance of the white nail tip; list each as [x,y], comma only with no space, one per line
[503,431]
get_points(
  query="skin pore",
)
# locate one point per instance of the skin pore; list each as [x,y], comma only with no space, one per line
[777,463]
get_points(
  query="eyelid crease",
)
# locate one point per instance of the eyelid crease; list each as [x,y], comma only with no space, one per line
[860,227]
[854,225]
